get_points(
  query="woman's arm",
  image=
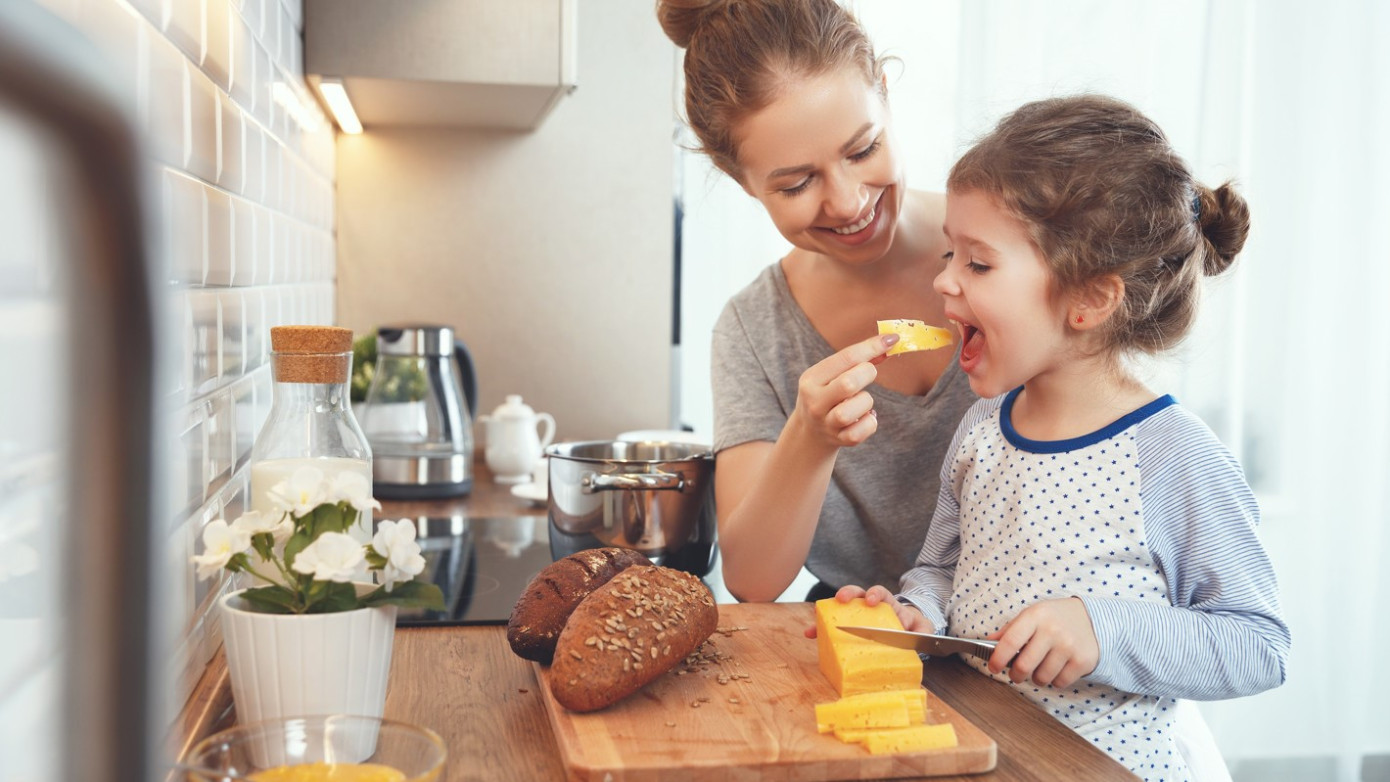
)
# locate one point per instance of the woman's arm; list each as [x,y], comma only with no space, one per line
[769,495]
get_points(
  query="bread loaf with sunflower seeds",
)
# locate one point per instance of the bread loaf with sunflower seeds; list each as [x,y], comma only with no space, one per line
[547,602]
[638,626]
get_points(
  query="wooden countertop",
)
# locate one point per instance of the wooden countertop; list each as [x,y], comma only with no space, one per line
[465,683]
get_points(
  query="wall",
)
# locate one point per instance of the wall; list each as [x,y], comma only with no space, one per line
[549,252]
[240,182]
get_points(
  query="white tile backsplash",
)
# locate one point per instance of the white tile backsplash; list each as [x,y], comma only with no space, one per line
[242,200]
[185,28]
[243,241]
[185,228]
[231,145]
[162,99]
[243,63]
[217,61]
[200,132]
[219,237]
[233,305]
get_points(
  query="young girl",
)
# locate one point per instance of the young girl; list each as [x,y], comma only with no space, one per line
[1094,528]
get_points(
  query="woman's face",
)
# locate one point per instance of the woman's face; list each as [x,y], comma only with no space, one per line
[820,160]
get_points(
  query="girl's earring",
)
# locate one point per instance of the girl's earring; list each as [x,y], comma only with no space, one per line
[1080,319]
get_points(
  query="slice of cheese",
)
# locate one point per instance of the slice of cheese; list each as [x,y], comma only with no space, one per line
[915,335]
[911,739]
[887,709]
[854,665]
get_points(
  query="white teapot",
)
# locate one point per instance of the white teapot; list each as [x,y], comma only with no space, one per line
[513,442]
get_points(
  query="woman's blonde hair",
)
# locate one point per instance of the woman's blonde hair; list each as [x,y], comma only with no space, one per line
[739,52]
[1103,193]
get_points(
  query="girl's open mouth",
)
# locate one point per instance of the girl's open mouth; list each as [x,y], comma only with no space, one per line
[972,344]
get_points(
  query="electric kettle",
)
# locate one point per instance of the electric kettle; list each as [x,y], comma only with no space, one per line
[418,416]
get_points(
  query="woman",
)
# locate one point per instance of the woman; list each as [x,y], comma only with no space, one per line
[827,455]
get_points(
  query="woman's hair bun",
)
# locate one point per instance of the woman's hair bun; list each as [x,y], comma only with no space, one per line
[680,18]
[1225,222]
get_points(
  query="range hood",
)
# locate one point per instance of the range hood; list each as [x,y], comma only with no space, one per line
[451,63]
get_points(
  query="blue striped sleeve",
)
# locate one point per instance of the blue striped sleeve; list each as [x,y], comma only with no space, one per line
[929,585]
[1223,634]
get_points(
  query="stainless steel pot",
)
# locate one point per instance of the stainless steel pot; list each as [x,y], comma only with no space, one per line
[654,497]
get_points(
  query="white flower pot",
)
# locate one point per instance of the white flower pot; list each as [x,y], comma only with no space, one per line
[286,665]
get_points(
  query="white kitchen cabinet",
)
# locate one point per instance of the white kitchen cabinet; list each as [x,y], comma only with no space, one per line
[463,63]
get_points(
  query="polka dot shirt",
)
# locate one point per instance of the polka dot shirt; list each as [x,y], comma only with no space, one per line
[1097,517]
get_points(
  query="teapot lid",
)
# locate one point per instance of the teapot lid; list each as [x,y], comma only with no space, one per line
[513,408]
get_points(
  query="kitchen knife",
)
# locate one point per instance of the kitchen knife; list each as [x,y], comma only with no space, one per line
[938,645]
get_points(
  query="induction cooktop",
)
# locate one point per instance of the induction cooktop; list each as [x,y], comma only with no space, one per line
[482,565]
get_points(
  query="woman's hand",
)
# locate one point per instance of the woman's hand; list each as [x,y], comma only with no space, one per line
[911,618]
[831,403]
[1054,642]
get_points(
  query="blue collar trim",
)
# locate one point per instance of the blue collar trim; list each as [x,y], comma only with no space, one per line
[1061,446]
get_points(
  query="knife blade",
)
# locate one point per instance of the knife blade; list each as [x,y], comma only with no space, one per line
[938,645]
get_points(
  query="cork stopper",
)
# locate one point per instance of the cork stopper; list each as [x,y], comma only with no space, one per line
[311,354]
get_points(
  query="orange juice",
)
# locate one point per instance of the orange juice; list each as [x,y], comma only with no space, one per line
[330,772]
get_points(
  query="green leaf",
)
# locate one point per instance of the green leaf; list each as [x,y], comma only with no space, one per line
[329,518]
[375,561]
[333,598]
[297,543]
[238,562]
[264,544]
[413,594]
[271,600]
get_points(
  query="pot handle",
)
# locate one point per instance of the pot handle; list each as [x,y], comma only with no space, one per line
[593,482]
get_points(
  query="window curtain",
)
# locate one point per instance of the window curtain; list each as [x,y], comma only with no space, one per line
[1290,361]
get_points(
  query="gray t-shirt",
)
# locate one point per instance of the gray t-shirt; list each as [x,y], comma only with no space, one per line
[883,491]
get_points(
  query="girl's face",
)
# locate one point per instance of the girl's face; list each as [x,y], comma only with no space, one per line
[819,158]
[997,288]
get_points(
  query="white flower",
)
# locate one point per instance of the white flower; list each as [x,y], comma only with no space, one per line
[356,489]
[221,542]
[303,491]
[254,523]
[334,556]
[395,540]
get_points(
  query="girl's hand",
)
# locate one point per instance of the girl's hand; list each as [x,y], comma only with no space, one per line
[831,403]
[911,618]
[1054,643]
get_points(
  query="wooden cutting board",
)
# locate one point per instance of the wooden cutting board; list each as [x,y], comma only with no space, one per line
[758,724]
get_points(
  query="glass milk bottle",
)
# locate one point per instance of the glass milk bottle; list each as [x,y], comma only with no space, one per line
[311,422]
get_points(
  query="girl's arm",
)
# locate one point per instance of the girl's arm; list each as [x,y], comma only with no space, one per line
[1223,634]
[929,585]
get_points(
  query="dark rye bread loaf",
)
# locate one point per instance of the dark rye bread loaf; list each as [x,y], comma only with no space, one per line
[540,613]
[628,632]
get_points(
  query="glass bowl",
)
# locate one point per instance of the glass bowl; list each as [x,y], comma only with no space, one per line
[332,748]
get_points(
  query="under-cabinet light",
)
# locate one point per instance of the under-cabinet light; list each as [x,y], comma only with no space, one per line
[337,99]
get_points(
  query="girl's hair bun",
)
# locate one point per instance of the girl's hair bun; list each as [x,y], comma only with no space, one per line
[1225,222]
[680,18]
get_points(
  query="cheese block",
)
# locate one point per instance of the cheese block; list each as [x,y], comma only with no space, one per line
[854,665]
[915,335]
[910,739]
[887,709]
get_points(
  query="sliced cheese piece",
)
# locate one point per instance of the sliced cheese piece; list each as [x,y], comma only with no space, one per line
[886,709]
[915,335]
[852,735]
[872,710]
[854,665]
[911,739]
